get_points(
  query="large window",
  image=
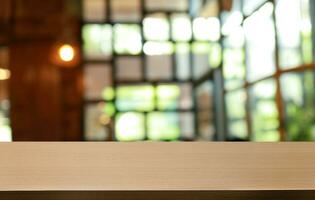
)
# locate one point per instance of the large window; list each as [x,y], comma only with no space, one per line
[268,94]
[164,70]
[141,63]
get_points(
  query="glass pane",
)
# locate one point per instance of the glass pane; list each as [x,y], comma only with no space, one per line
[127,39]
[236,114]
[205,111]
[158,48]
[200,58]
[130,126]
[156,27]
[186,121]
[206,28]
[163,126]
[181,27]
[250,5]
[215,56]
[135,98]
[97,41]
[94,10]
[259,33]
[232,19]
[174,97]
[96,122]
[306,30]
[299,105]
[123,10]
[178,5]
[288,28]
[159,67]
[234,59]
[128,68]
[158,60]
[97,78]
[183,61]
[264,111]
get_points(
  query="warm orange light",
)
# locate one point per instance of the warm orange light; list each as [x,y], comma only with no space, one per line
[66,53]
[4,74]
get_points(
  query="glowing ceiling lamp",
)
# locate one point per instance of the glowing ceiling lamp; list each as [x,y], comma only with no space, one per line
[4,74]
[66,53]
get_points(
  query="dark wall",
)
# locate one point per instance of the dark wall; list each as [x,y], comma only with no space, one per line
[45,97]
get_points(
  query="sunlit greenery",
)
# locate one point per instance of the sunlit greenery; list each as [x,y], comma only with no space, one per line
[130,126]
[265,122]
[127,39]
[299,101]
[163,126]
[97,41]
[108,93]
[138,98]
[168,96]
[234,67]
[235,105]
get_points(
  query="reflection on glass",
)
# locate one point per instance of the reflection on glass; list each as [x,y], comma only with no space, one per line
[136,98]
[97,41]
[130,126]
[299,105]
[159,67]
[204,95]
[183,61]
[97,78]
[127,39]
[206,28]
[123,10]
[200,58]
[181,27]
[94,10]
[235,105]
[186,121]
[172,97]
[156,27]
[128,68]
[163,126]
[260,37]
[264,111]
[96,122]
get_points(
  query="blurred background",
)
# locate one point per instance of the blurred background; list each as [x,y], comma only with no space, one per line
[162,70]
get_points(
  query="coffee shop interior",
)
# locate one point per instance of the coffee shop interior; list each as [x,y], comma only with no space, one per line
[157,70]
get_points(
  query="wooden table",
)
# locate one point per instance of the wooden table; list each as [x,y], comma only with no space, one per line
[152,170]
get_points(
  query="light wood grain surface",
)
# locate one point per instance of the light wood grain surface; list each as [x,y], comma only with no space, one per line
[156,166]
